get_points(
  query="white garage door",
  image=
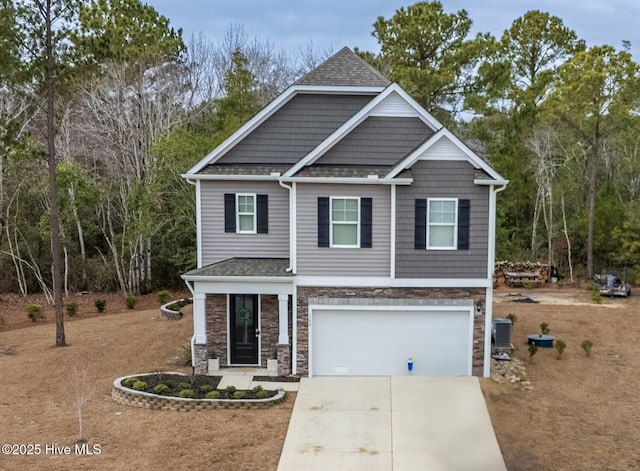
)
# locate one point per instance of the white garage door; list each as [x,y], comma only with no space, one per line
[379,342]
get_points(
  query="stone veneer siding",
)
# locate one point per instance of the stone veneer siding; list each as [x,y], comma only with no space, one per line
[306,293]
[216,314]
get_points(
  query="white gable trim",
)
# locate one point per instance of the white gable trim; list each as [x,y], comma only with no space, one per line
[269,110]
[467,154]
[357,119]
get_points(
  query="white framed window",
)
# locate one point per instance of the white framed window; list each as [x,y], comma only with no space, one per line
[245,213]
[345,222]
[442,227]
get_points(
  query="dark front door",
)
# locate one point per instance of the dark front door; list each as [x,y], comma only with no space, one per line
[244,329]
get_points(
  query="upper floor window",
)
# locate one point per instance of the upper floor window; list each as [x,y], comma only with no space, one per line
[246,213]
[441,224]
[345,222]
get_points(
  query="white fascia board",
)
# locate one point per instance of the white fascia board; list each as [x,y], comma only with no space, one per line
[244,130]
[203,287]
[388,282]
[205,176]
[349,180]
[239,279]
[481,182]
[471,156]
[349,125]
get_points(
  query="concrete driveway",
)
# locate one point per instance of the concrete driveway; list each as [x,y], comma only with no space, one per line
[390,423]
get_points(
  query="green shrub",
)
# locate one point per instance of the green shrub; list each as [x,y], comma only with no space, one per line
[586,346]
[513,318]
[187,393]
[257,389]
[100,304]
[596,297]
[71,308]
[205,388]
[184,386]
[239,394]
[533,349]
[162,389]
[186,354]
[262,394]
[163,296]
[130,302]
[230,389]
[560,346]
[215,394]
[34,311]
[139,385]
[130,381]
[544,328]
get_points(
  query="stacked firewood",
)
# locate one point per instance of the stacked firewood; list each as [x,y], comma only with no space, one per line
[542,269]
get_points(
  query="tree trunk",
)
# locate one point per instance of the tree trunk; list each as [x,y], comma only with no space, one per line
[595,151]
[53,196]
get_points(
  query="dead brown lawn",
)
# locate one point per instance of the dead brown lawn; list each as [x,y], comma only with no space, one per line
[36,408]
[582,413]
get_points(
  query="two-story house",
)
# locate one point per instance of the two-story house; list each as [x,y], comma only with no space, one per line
[343,230]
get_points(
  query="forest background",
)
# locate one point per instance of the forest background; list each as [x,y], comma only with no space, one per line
[103,105]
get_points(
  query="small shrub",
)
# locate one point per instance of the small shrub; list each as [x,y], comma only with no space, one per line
[529,285]
[130,381]
[513,318]
[184,385]
[139,385]
[71,308]
[262,394]
[186,354]
[239,394]
[130,302]
[215,394]
[560,346]
[205,388]
[100,304]
[257,389]
[586,346]
[544,328]
[187,393]
[596,297]
[162,389]
[533,349]
[34,311]
[230,390]
[163,296]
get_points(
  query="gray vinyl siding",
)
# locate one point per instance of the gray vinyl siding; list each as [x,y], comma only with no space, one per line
[445,179]
[218,245]
[314,260]
[295,129]
[377,141]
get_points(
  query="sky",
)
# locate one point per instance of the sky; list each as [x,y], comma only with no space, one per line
[330,25]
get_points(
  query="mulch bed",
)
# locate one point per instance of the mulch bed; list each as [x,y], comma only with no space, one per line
[175,383]
[278,379]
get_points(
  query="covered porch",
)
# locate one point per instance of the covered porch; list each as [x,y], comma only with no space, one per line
[242,313]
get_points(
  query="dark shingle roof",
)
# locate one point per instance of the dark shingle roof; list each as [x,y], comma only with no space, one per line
[244,267]
[344,68]
[248,169]
[342,171]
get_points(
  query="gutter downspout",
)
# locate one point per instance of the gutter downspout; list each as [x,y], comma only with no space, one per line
[292,226]
[488,314]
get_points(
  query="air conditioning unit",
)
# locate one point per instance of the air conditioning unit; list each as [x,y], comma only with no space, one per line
[501,333]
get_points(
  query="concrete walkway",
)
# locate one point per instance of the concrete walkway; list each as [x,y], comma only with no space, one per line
[390,423]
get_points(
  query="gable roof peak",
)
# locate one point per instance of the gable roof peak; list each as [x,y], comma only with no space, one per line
[344,68]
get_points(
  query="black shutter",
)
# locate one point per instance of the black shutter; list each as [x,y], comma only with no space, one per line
[263,214]
[323,221]
[366,210]
[229,212]
[421,224]
[463,224]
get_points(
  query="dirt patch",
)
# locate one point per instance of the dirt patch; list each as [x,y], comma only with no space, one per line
[36,403]
[577,413]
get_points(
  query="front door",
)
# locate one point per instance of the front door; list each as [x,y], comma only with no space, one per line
[244,329]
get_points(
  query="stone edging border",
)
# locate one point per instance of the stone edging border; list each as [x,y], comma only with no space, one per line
[170,314]
[130,397]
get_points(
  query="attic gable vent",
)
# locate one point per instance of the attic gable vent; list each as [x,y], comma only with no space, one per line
[394,106]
